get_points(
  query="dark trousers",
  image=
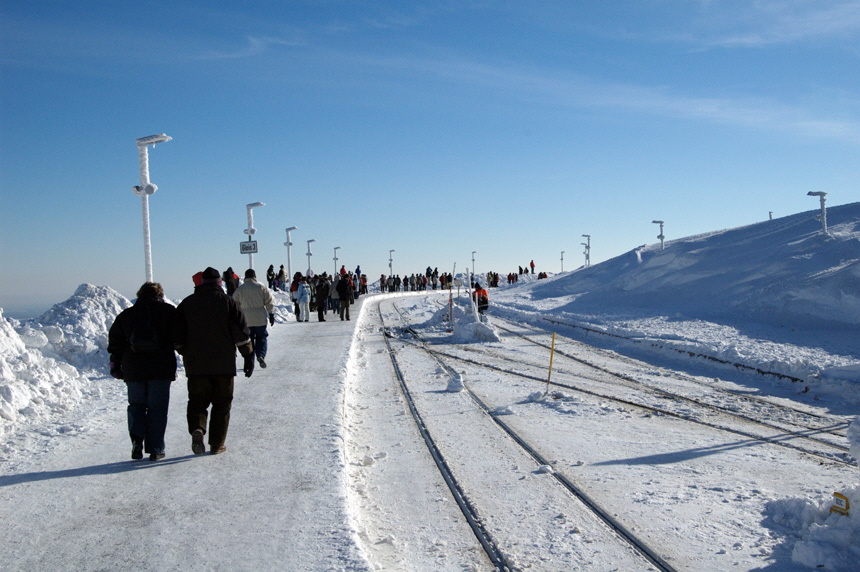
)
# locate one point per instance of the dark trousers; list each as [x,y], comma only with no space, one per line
[258,340]
[147,412]
[344,307]
[206,390]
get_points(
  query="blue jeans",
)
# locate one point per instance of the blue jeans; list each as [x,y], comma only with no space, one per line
[147,412]
[258,340]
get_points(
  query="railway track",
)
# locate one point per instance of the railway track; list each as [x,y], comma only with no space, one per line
[651,557]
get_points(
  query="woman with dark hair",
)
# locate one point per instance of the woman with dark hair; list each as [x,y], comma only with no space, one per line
[140,345]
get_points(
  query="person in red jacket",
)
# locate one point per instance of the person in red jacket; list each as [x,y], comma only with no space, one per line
[481,297]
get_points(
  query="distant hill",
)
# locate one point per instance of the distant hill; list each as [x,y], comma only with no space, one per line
[782,272]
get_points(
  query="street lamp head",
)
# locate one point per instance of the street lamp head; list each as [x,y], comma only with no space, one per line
[255,205]
[292,228]
[657,221]
[153,139]
[816,194]
[312,240]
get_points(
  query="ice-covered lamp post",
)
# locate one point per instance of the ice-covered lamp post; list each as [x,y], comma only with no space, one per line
[562,261]
[145,189]
[310,254]
[250,231]
[660,236]
[288,244]
[823,215]
[390,263]
[473,262]
[336,248]
[587,245]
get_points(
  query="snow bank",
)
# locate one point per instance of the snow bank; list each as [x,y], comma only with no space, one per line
[48,365]
[469,329]
[818,538]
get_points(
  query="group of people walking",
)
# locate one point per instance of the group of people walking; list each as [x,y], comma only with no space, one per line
[324,293]
[206,329]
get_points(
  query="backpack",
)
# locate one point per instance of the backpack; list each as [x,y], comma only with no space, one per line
[144,337]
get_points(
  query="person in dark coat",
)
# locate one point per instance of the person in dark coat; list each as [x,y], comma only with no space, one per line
[344,291]
[231,280]
[322,291]
[140,344]
[210,326]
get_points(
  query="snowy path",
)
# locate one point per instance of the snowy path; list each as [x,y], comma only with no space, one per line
[273,501]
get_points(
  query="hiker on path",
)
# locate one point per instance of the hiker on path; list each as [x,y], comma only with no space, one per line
[258,305]
[210,326]
[140,344]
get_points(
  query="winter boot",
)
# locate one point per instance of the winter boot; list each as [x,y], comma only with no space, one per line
[197,446]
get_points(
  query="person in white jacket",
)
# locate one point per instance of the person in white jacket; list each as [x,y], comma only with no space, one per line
[258,305]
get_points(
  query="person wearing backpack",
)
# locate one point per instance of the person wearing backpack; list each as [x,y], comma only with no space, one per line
[140,345]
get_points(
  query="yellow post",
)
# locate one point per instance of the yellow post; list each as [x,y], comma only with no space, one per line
[551,354]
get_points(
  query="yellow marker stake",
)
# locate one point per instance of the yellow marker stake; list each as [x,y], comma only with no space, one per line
[551,354]
[841,505]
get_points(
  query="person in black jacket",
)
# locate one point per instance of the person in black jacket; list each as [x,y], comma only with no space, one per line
[210,326]
[140,345]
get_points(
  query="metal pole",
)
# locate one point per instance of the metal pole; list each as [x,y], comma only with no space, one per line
[587,250]
[288,244]
[562,261]
[250,231]
[660,236]
[336,248]
[310,254]
[390,263]
[823,216]
[145,189]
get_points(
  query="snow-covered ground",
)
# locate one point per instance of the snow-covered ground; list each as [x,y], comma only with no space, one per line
[326,470]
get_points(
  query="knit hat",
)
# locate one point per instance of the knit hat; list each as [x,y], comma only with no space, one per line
[211,275]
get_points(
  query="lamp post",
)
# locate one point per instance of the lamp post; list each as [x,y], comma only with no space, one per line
[336,248]
[823,215]
[390,263]
[473,262]
[288,244]
[587,252]
[562,261]
[145,189]
[310,254]
[251,230]
[660,236]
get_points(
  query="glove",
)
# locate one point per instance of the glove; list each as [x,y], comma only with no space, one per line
[115,370]
[271,319]
[249,365]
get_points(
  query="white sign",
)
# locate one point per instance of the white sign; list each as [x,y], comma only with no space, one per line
[248,247]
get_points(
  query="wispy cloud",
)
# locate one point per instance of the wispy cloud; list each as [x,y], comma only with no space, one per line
[253,47]
[770,22]
[579,91]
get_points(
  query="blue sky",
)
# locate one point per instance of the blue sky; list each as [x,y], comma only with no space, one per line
[434,129]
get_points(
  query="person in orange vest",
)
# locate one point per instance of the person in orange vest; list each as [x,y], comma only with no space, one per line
[481,297]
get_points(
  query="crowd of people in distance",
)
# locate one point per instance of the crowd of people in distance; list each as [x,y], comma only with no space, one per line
[225,315]
[323,292]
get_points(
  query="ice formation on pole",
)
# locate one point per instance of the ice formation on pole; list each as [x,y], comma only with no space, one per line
[251,230]
[145,189]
